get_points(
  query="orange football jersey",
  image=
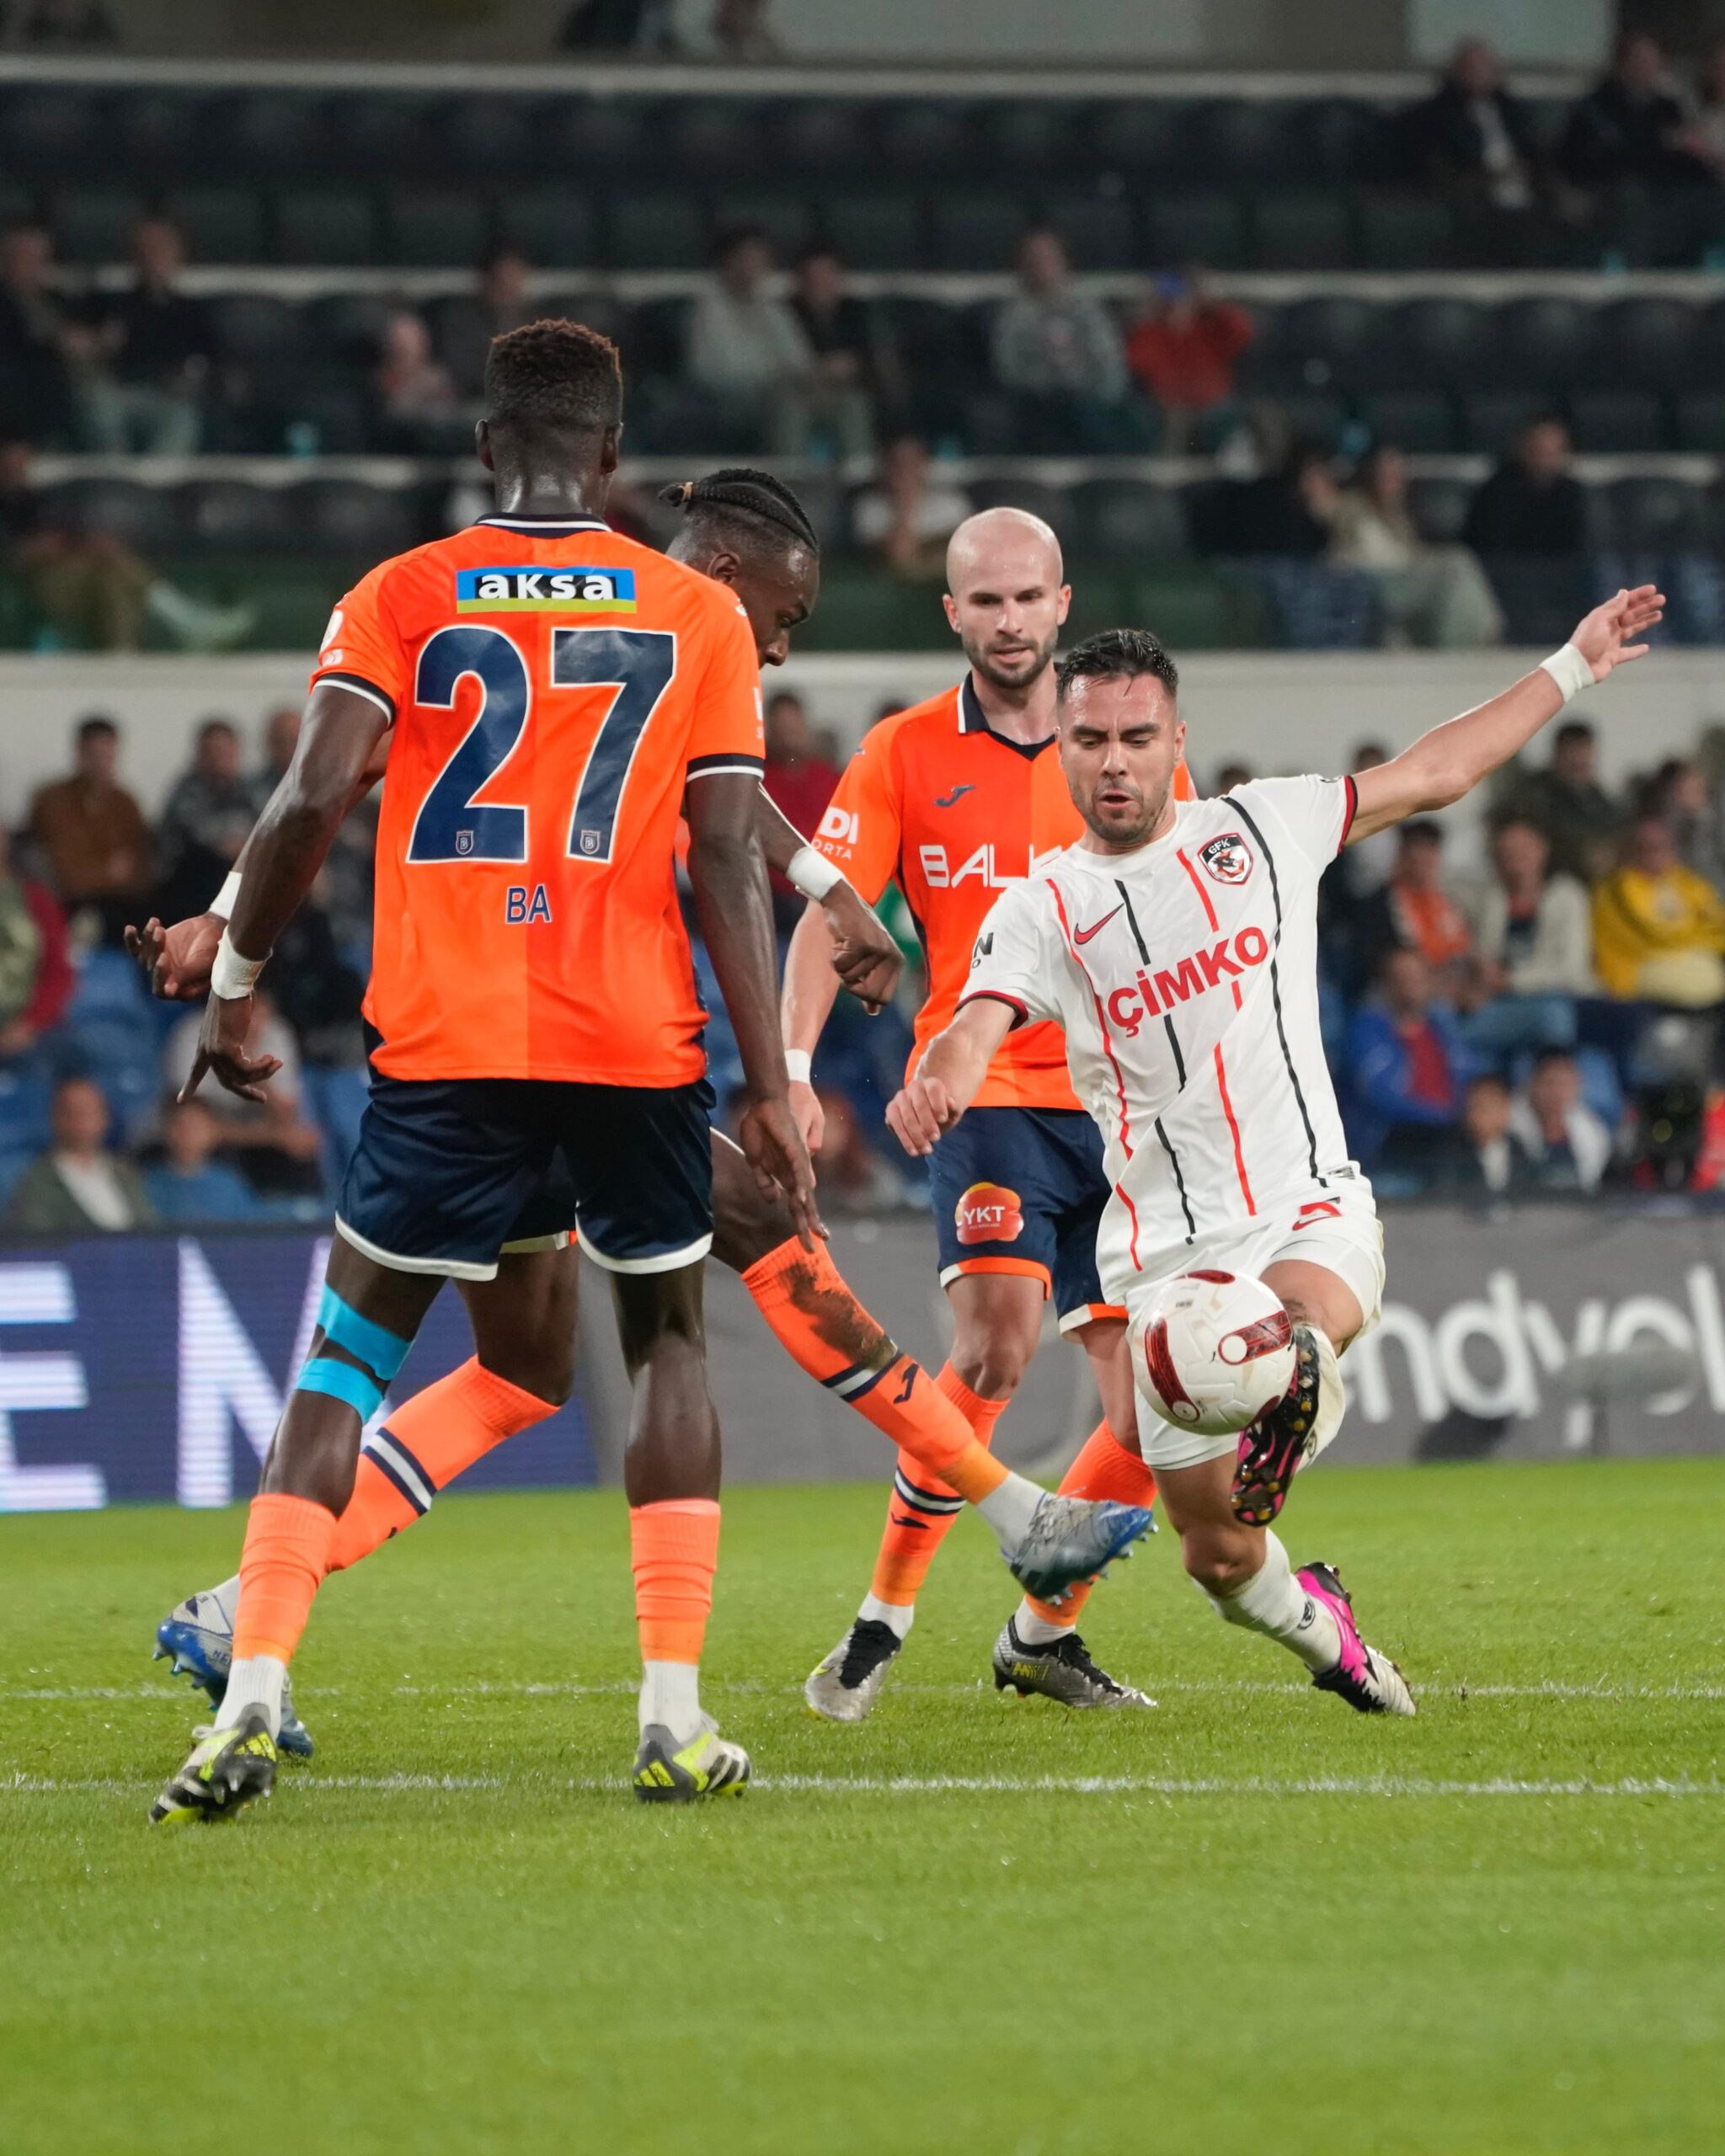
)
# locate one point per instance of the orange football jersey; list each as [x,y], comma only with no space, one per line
[935,799]
[553,687]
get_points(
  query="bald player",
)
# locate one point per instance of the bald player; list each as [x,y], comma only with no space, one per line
[955,799]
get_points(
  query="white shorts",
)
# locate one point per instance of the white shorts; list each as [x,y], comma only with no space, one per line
[1335,1226]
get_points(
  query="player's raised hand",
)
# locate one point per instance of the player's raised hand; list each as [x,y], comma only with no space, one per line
[1607,638]
[222,1053]
[774,1148]
[179,959]
[865,957]
[922,1113]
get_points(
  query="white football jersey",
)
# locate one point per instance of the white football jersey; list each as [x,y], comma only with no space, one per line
[1185,977]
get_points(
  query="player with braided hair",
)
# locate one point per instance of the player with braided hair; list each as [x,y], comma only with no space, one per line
[746,530]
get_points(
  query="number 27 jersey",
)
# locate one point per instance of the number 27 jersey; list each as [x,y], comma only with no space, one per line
[554,688]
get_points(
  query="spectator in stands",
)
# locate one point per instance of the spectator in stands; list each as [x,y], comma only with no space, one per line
[1428,594]
[1486,1159]
[1057,349]
[143,392]
[190,1187]
[274,1147]
[1407,1066]
[854,1177]
[78,1186]
[747,353]
[39,340]
[799,778]
[1351,920]
[1679,797]
[92,836]
[88,585]
[1416,913]
[1658,928]
[840,333]
[281,736]
[500,303]
[1532,505]
[36,980]
[207,819]
[416,396]
[1632,126]
[1568,1146]
[740,33]
[1475,141]
[1704,135]
[1532,927]
[906,517]
[1579,821]
[1183,349]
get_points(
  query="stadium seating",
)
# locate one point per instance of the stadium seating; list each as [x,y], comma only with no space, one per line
[1273,183]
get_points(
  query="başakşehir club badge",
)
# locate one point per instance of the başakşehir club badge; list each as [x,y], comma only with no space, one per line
[1228,858]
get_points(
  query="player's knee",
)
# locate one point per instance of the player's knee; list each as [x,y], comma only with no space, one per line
[1221,1561]
[991,1369]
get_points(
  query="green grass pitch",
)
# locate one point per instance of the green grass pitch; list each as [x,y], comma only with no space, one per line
[1250,1919]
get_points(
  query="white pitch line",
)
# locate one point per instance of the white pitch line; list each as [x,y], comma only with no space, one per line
[1433,1689]
[1400,1786]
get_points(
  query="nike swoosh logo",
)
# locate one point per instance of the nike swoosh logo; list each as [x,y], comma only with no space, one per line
[958,794]
[1096,928]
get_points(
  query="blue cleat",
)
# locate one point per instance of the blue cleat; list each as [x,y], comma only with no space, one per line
[1073,1539]
[197,1635]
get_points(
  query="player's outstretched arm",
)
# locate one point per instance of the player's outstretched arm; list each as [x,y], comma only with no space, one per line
[283,856]
[810,989]
[728,878]
[1450,760]
[949,1074]
[868,959]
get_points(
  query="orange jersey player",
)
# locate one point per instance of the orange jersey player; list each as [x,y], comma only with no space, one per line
[954,799]
[556,696]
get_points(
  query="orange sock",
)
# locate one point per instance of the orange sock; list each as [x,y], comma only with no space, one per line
[1105,1468]
[922,1508]
[286,1554]
[825,1331]
[674,1548]
[426,1443]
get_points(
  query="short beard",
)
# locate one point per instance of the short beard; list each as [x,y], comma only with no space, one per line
[1014,684]
[1142,833]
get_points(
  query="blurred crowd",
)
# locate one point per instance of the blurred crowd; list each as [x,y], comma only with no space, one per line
[1548,1027]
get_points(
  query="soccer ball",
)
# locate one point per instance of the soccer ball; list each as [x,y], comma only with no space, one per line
[1212,1351]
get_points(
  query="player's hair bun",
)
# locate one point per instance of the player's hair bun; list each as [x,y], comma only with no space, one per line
[755,496]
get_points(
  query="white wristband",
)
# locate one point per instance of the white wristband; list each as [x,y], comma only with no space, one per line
[1569,670]
[813,874]
[228,898]
[233,976]
[799,1064]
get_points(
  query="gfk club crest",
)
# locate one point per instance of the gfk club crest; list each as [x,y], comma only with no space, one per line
[1228,858]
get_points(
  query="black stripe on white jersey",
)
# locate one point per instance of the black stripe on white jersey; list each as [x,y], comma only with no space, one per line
[1269,861]
[1168,1021]
[1166,1142]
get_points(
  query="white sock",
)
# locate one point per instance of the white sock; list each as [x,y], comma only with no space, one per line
[900,1615]
[1035,1631]
[1273,1602]
[226,1599]
[670,1695]
[1008,1510]
[255,1680]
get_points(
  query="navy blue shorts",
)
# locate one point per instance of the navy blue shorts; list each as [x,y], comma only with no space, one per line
[1021,1190]
[451,1172]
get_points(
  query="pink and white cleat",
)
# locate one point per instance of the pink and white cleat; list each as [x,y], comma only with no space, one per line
[1370,1682]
